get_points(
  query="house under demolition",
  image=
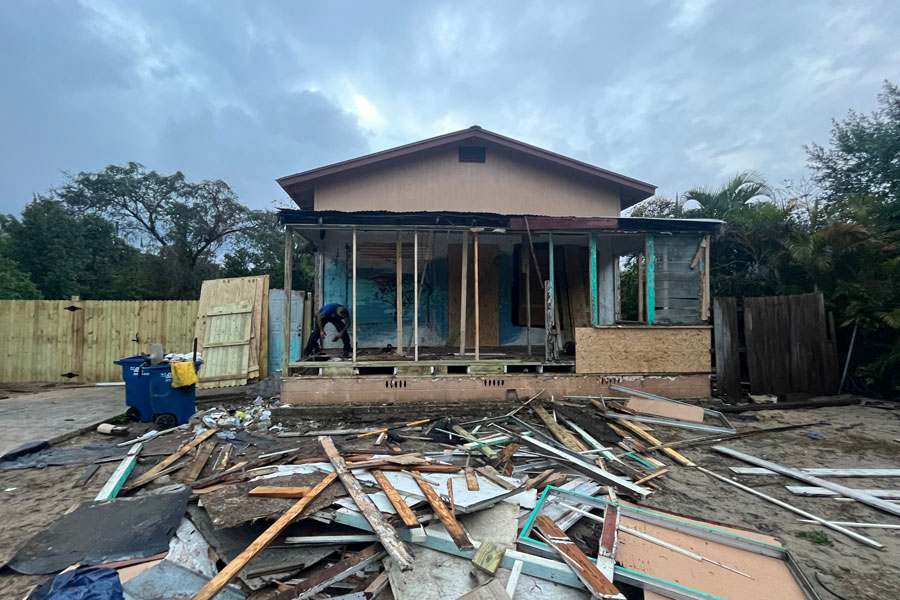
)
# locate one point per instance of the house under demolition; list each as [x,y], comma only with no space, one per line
[476,266]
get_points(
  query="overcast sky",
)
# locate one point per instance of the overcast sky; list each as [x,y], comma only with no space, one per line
[678,94]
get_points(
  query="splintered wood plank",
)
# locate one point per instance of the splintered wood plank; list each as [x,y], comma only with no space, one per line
[609,541]
[559,432]
[406,514]
[327,577]
[596,583]
[385,532]
[486,450]
[538,480]
[155,471]
[206,450]
[457,534]
[230,571]
[275,491]
[492,590]
[471,480]
[674,455]
[489,555]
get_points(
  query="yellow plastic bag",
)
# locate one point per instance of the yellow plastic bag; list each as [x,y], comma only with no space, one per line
[183,374]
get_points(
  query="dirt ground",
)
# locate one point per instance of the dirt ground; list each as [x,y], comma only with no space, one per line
[853,436]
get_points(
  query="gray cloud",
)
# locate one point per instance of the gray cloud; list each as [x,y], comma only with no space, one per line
[678,94]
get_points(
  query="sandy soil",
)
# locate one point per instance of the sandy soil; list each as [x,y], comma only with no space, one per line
[853,437]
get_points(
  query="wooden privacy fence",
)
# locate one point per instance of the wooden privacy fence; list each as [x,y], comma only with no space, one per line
[77,341]
[788,341]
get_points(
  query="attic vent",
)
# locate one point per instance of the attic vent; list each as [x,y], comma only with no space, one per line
[472,154]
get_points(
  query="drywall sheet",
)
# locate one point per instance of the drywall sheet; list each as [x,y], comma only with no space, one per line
[643,350]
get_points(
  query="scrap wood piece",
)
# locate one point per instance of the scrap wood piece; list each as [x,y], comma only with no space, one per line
[513,580]
[234,470]
[154,471]
[489,555]
[402,459]
[653,475]
[507,453]
[377,585]
[383,529]
[471,480]
[457,534]
[609,541]
[594,580]
[221,461]
[403,510]
[559,432]
[856,494]
[217,583]
[674,455]
[585,467]
[486,450]
[638,445]
[538,480]
[337,572]
[203,454]
[279,491]
[852,534]
[666,409]
[424,468]
[492,474]
[115,482]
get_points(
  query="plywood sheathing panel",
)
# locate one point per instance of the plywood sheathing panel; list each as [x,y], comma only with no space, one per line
[771,577]
[218,293]
[656,350]
[488,295]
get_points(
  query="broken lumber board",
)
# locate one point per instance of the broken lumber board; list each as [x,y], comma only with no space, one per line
[609,541]
[513,580]
[666,409]
[275,491]
[653,475]
[559,432]
[679,458]
[486,450]
[446,517]
[539,479]
[327,577]
[154,471]
[406,514]
[489,555]
[471,480]
[492,474]
[203,454]
[221,461]
[402,459]
[823,472]
[424,468]
[824,522]
[115,482]
[858,495]
[386,533]
[585,467]
[230,571]
[594,580]
[492,590]
[819,492]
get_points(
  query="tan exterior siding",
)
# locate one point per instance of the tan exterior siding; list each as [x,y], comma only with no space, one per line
[437,181]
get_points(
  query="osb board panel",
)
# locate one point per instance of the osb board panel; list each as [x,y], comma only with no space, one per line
[771,577]
[43,341]
[661,408]
[488,295]
[505,183]
[642,350]
[308,391]
[236,290]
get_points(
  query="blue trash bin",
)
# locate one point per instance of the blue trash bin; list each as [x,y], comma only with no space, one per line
[170,406]
[137,388]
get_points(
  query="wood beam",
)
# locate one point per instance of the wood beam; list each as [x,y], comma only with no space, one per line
[477,316]
[463,293]
[399,293]
[286,309]
[353,315]
[457,534]
[416,293]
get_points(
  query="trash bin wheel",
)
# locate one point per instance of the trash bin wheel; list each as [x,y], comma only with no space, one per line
[165,421]
[133,414]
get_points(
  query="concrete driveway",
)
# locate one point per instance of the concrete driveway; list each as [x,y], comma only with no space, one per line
[56,414]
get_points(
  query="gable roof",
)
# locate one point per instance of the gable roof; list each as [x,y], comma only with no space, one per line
[299,186]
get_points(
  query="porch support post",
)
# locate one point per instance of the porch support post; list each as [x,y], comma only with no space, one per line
[477,316]
[706,277]
[527,266]
[286,309]
[353,315]
[463,293]
[640,294]
[399,293]
[416,293]
[651,281]
[595,307]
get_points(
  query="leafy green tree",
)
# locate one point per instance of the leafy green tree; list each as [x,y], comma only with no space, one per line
[14,284]
[185,223]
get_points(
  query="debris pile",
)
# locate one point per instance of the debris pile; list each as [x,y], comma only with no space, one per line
[542,501]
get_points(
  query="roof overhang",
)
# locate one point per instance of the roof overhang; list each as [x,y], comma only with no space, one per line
[300,186]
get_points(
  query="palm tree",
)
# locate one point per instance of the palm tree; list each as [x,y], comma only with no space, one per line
[733,196]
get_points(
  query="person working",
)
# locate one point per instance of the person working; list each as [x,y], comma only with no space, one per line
[339,317]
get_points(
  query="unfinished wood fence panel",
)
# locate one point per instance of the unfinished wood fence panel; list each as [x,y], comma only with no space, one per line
[77,341]
[788,348]
[728,358]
